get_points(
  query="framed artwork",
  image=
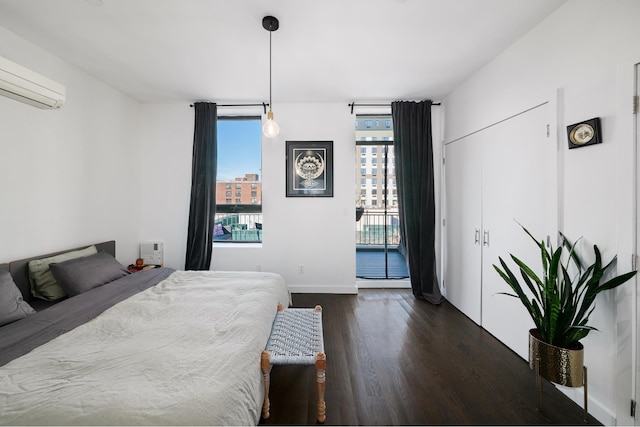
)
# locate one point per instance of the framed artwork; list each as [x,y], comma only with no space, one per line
[584,133]
[309,168]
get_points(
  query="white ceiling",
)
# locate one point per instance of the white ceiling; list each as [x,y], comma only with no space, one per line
[324,51]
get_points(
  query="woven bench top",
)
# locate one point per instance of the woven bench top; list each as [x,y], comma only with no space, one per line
[296,337]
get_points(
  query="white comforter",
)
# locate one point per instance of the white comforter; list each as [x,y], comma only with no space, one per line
[184,352]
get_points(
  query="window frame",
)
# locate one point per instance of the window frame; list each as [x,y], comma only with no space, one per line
[236,207]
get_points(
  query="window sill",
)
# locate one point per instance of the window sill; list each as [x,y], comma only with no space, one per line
[242,245]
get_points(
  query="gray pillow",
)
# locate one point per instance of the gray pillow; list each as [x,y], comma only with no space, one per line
[43,284]
[12,306]
[82,274]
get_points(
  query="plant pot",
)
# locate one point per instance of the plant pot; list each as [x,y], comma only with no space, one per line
[559,365]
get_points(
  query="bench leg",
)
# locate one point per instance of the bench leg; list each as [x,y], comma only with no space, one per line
[265,366]
[321,366]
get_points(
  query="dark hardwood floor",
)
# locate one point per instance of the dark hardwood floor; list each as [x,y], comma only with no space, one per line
[395,360]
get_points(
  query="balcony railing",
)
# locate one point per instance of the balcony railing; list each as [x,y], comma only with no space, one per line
[370,230]
[247,227]
[238,227]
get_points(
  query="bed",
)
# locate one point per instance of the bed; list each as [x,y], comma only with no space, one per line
[156,347]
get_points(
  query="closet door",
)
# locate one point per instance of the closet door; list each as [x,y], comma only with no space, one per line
[519,184]
[463,227]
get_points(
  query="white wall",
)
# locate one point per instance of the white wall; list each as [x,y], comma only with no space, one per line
[166,144]
[318,233]
[583,53]
[69,177]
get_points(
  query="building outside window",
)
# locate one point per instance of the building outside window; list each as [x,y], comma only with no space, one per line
[239,166]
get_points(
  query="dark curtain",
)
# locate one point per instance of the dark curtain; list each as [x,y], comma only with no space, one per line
[202,209]
[416,201]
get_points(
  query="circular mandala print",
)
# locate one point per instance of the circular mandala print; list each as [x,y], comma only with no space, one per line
[309,165]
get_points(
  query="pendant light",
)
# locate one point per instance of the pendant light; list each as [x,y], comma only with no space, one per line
[270,127]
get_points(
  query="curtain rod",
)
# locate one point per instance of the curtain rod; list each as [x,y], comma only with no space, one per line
[263,105]
[353,104]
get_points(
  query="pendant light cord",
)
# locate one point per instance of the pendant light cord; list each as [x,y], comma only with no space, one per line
[270,31]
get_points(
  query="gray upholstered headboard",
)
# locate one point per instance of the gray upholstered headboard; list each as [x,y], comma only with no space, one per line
[20,269]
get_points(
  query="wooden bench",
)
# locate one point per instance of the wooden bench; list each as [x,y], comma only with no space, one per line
[296,339]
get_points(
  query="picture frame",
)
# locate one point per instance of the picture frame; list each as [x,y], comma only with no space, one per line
[309,168]
[584,133]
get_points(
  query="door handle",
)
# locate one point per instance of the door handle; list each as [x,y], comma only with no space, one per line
[477,236]
[485,238]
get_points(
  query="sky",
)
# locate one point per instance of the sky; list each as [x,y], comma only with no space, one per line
[239,148]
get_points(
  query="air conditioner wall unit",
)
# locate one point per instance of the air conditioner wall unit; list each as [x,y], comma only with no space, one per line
[24,85]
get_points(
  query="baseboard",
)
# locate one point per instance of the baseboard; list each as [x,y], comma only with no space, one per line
[596,409]
[382,284]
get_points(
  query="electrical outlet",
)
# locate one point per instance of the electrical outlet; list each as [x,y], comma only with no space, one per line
[301,269]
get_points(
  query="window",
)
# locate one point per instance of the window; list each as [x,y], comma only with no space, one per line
[387,124]
[363,171]
[374,171]
[238,210]
[368,124]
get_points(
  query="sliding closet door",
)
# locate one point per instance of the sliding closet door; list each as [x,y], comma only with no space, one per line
[519,184]
[463,287]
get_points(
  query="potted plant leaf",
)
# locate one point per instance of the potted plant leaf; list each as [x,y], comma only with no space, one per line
[560,303]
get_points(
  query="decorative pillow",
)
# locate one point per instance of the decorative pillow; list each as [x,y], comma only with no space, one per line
[82,274]
[12,306]
[43,284]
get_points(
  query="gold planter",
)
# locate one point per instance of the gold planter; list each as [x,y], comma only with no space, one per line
[559,365]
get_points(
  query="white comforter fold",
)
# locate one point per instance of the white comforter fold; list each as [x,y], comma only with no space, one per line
[184,352]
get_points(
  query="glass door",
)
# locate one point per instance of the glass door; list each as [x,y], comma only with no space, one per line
[378,255]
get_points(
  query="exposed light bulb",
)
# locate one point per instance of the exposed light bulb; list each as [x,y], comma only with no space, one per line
[270,128]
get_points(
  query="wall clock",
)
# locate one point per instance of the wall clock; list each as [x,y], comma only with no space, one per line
[584,133]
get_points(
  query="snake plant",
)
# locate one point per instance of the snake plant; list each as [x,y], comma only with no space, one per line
[560,304]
